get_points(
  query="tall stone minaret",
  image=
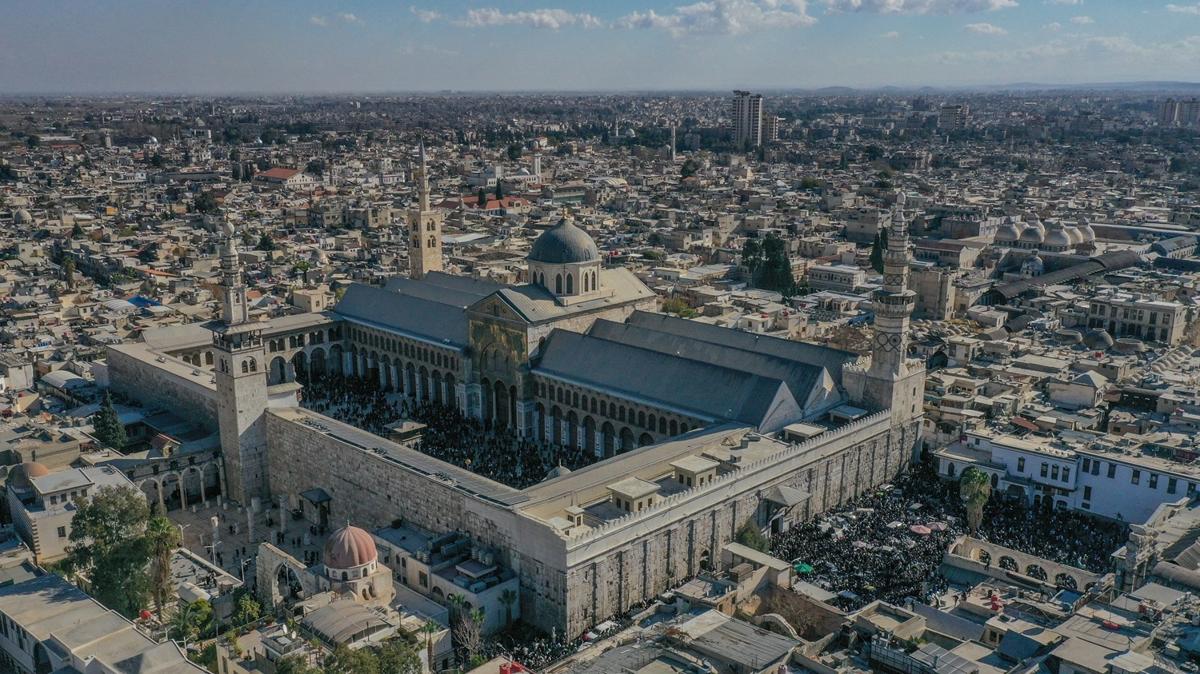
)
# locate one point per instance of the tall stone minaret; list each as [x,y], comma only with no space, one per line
[893,381]
[425,227]
[894,302]
[241,379]
[234,310]
[673,143]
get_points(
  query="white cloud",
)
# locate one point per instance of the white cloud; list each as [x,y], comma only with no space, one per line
[892,34]
[344,17]
[551,19]
[986,29]
[1064,2]
[1053,26]
[1082,20]
[919,6]
[1185,9]
[426,15]
[730,17]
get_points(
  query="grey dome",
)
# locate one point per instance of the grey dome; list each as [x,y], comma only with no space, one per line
[564,243]
[1033,234]
[23,217]
[1057,238]
[1007,231]
[1098,339]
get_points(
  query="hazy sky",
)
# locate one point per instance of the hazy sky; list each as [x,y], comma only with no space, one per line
[396,45]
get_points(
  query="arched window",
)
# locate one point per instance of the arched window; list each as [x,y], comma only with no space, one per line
[950,469]
[245,367]
[585,283]
[570,283]
[558,284]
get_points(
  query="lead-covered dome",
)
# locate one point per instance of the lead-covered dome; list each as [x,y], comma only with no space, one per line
[349,547]
[564,243]
[1007,232]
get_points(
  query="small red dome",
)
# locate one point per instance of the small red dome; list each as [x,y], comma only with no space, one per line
[349,547]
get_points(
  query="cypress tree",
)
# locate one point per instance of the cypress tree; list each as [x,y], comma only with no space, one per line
[107,425]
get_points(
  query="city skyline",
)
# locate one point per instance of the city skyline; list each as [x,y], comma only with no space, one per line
[369,46]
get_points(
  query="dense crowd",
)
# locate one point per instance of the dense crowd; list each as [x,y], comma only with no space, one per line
[498,454]
[889,544]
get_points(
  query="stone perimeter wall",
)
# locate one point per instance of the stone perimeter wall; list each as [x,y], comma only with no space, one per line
[571,584]
[156,386]
[609,573]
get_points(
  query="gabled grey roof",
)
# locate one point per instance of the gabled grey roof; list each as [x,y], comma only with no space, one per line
[693,387]
[459,291]
[801,352]
[413,316]
[800,377]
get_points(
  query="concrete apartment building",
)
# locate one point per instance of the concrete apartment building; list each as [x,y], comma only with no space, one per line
[747,119]
[1127,315]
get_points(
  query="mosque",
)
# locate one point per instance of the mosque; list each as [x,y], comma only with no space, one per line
[700,429]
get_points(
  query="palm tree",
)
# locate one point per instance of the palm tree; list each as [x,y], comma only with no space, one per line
[163,538]
[457,603]
[429,629]
[974,488]
[508,598]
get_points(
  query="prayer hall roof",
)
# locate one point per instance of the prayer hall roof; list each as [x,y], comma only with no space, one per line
[410,315]
[693,387]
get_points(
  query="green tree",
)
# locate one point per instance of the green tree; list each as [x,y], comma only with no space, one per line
[499,190]
[508,598]
[396,656]
[514,152]
[163,537]
[191,620]
[690,168]
[429,629]
[344,660]
[877,247]
[295,665]
[69,272]
[205,202]
[974,488]
[481,198]
[247,610]
[76,231]
[749,536]
[106,425]
[776,271]
[108,546]
[265,243]
[752,258]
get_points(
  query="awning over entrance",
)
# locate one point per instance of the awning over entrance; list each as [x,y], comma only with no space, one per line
[316,496]
[786,496]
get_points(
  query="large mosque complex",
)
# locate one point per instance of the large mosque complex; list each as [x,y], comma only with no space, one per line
[697,430]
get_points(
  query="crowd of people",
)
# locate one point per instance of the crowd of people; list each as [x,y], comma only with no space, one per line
[890,543]
[449,435]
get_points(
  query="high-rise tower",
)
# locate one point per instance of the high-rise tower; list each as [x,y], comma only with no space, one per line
[425,227]
[241,380]
[747,115]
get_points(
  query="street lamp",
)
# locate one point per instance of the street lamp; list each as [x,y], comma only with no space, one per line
[182,540]
[242,571]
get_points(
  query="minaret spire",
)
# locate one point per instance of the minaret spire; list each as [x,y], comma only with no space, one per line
[423,180]
[233,291]
[425,225]
[893,302]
